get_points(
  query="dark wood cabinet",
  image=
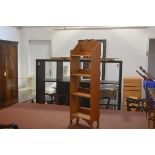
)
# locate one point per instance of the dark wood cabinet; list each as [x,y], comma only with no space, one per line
[8,72]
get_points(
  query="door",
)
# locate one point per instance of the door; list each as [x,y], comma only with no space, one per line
[151,57]
[9,74]
[1,72]
[39,49]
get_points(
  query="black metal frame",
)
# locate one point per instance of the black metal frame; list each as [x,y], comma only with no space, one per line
[40,77]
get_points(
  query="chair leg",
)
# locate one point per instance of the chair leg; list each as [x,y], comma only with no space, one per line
[107,107]
[66,99]
[77,121]
[128,107]
[148,122]
[98,124]
[114,107]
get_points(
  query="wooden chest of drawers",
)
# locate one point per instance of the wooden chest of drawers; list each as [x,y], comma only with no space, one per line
[132,86]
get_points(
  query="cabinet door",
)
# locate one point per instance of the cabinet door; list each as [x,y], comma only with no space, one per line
[1,72]
[10,87]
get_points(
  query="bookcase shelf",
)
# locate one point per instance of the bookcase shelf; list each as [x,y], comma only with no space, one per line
[87,54]
[81,115]
[90,114]
[83,75]
[81,94]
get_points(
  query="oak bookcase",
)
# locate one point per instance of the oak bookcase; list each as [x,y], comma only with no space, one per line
[89,49]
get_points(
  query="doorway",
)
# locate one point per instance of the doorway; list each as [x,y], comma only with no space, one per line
[39,49]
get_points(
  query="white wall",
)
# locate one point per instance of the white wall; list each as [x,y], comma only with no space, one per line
[28,34]
[9,33]
[39,49]
[130,45]
[127,44]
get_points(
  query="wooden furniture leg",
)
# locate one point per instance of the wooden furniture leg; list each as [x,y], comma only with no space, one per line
[77,121]
[98,124]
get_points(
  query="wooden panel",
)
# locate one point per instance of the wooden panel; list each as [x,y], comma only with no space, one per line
[84,110]
[132,84]
[132,88]
[81,94]
[131,79]
[82,55]
[84,71]
[10,74]
[1,72]
[83,75]
[132,93]
[82,115]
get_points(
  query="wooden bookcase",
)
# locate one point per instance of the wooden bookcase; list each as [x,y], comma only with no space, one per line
[90,49]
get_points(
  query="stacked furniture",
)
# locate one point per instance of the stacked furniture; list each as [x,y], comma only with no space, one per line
[149,87]
[63,85]
[132,87]
[90,49]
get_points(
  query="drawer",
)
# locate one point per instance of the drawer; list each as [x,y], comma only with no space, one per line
[132,88]
[130,80]
[132,84]
[132,93]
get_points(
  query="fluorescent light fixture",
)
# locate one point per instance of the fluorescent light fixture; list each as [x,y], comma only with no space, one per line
[98,27]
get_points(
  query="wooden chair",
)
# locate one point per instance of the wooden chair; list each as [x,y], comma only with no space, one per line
[50,93]
[108,92]
[51,98]
[54,94]
[149,107]
[135,103]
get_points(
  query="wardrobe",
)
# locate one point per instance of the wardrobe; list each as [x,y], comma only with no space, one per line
[8,72]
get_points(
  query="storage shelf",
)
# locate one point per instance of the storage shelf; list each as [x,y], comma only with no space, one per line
[82,54]
[81,94]
[83,75]
[84,110]
[87,50]
[81,115]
